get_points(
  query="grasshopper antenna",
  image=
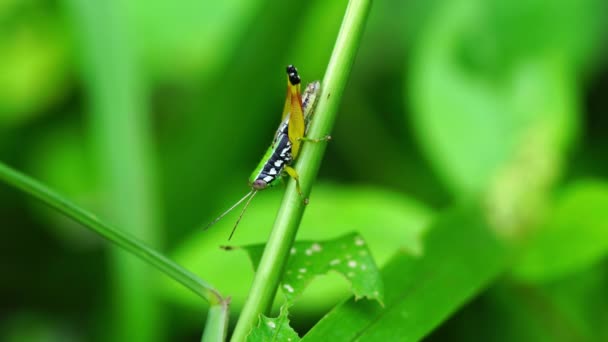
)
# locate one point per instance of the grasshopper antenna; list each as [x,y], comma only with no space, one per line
[250,193]
[253,192]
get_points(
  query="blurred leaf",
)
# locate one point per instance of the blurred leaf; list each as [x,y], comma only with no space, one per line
[347,255]
[34,327]
[571,308]
[563,274]
[60,157]
[519,313]
[124,154]
[199,38]
[475,95]
[520,193]
[461,257]
[274,329]
[575,236]
[35,55]
[580,296]
[333,211]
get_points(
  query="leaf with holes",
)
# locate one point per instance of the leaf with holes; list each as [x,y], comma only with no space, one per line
[274,329]
[347,255]
[462,256]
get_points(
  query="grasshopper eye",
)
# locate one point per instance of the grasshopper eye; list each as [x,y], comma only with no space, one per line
[259,184]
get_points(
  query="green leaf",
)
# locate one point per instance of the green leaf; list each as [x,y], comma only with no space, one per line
[469,75]
[461,257]
[575,236]
[570,308]
[274,329]
[347,255]
[520,313]
[387,221]
[580,296]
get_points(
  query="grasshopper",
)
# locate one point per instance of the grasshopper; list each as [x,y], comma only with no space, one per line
[285,147]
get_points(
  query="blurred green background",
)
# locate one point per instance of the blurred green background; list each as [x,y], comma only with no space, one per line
[152,114]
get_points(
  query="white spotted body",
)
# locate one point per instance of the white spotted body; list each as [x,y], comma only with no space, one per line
[274,161]
[272,166]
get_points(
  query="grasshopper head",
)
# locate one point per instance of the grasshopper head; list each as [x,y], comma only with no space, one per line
[259,184]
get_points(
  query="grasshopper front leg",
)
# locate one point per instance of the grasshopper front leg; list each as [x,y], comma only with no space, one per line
[312,140]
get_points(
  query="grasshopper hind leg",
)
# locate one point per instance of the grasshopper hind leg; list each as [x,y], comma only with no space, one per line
[294,175]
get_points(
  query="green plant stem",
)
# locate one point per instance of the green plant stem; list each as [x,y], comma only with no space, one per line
[288,218]
[123,240]
[217,318]
[216,326]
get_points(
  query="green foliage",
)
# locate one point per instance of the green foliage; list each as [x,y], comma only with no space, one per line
[274,329]
[196,26]
[575,236]
[344,209]
[35,67]
[124,241]
[461,257]
[152,113]
[347,255]
[31,327]
[90,221]
[491,82]
[285,228]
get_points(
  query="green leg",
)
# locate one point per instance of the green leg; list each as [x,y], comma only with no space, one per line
[294,175]
[324,139]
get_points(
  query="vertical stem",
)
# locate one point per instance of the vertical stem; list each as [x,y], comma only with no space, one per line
[123,149]
[216,326]
[288,218]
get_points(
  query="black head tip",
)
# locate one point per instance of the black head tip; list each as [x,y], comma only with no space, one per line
[292,72]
